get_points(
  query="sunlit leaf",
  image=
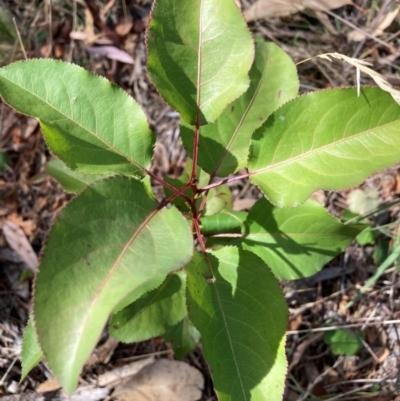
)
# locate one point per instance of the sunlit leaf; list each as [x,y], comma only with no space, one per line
[328,140]
[88,122]
[106,243]
[224,145]
[199,56]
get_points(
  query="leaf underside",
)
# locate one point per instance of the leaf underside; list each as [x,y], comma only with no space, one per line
[151,314]
[329,140]
[110,240]
[231,294]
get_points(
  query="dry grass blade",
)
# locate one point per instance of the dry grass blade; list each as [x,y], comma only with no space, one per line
[363,67]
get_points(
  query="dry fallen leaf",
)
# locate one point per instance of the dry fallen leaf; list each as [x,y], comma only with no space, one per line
[279,8]
[18,242]
[164,380]
[123,372]
[51,384]
[111,52]
[362,202]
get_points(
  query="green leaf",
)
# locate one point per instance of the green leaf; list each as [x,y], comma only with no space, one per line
[3,160]
[31,353]
[139,292]
[329,140]
[199,55]
[183,336]
[151,315]
[344,342]
[218,198]
[106,243]
[224,145]
[236,303]
[70,180]
[226,221]
[295,242]
[88,122]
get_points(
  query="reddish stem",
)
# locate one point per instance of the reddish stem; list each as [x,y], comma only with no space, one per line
[224,181]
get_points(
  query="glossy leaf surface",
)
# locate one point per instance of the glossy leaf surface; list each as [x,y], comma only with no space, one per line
[199,56]
[236,303]
[31,353]
[70,180]
[117,241]
[151,314]
[295,242]
[328,140]
[224,145]
[88,122]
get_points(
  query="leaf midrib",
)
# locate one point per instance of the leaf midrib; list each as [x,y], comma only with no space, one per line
[316,151]
[83,326]
[110,146]
[226,327]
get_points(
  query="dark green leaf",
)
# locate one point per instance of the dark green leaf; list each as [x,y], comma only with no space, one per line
[236,303]
[344,342]
[183,336]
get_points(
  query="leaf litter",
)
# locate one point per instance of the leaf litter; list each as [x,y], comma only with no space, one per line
[302,35]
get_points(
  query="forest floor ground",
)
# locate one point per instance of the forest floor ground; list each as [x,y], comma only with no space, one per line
[29,199]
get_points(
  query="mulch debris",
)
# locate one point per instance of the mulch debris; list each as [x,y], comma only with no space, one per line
[107,37]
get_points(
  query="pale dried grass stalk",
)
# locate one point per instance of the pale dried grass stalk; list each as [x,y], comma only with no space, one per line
[362,66]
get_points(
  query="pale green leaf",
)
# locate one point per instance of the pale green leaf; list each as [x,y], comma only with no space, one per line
[218,198]
[31,353]
[139,292]
[199,55]
[150,315]
[236,303]
[106,243]
[295,242]
[328,140]
[224,145]
[88,122]
[183,336]
[71,181]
